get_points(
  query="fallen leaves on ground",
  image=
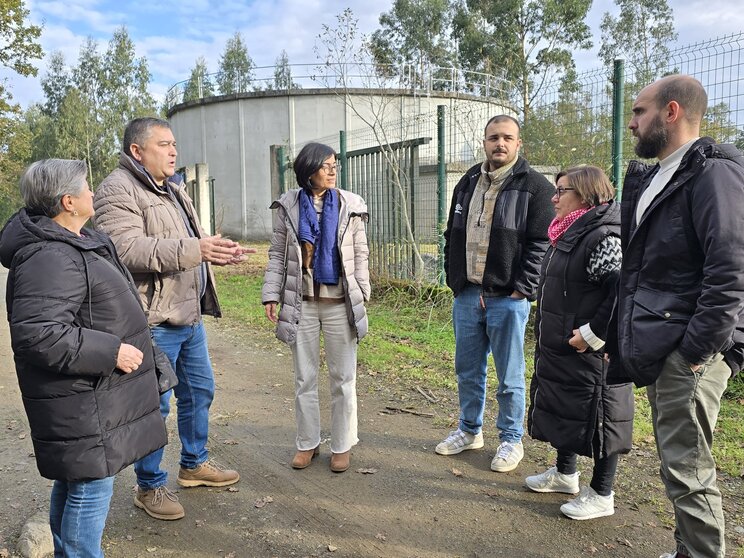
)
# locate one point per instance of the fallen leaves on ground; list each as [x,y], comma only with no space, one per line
[233,489]
[261,502]
[380,537]
[456,472]
[332,548]
[367,471]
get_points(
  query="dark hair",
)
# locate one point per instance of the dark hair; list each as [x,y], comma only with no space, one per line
[502,118]
[687,91]
[138,130]
[590,183]
[309,160]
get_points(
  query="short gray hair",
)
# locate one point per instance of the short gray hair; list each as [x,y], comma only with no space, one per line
[138,130]
[45,182]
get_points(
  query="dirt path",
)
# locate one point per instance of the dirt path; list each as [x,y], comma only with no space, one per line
[411,503]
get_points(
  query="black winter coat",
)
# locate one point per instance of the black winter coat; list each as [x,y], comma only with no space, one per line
[681,285]
[71,304]
[519,232]
[572,406]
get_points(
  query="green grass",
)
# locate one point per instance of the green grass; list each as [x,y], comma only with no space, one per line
[411,342]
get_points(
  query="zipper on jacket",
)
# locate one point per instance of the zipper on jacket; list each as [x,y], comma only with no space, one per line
[539,340]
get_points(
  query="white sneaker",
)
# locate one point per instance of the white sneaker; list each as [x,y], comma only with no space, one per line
[589,505]
[669,555]
[553,481]
[459,441]
[508,455]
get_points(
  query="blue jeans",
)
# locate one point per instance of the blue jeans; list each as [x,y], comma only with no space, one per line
[499,329]
[186,346]
[77,516]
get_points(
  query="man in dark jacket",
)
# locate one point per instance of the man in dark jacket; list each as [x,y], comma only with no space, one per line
[680,307]
[496,237]
[152,221]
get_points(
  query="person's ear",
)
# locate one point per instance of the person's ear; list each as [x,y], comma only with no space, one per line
[136,152]
[67,203]
[673,111]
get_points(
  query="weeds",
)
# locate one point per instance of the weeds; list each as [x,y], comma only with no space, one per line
[411,342]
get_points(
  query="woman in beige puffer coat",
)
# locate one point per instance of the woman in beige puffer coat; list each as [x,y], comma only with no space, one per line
[318,276]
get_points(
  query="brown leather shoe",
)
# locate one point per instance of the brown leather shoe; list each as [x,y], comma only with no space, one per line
[303,458]
[340,461]
[209,473]
[159,503]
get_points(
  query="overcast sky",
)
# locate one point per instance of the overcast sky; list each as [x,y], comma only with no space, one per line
[173,33]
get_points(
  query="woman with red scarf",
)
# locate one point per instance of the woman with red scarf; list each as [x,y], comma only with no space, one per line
[572,406]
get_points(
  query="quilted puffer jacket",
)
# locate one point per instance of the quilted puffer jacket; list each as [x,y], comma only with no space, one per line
[150,234]
[71,304]
[283,277]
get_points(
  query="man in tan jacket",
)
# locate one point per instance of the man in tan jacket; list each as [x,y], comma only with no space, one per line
[152,221]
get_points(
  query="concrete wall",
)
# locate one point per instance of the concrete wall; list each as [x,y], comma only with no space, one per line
[233,133]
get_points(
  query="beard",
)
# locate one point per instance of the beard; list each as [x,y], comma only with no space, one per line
[650,144]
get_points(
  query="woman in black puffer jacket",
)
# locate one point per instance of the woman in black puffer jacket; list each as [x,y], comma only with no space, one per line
[572,405]
[82,349]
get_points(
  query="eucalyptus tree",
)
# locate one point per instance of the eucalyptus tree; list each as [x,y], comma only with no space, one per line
[199,84]
[235,72]
[528,42]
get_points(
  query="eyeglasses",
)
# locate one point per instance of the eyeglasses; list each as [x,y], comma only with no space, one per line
[561,190]
[328,167]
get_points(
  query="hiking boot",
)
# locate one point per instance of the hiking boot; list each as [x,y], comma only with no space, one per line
[589,505]
[159,503]
[553,481]
[340,461]
[459,441]
[303,457]
[508,455]
[208,473]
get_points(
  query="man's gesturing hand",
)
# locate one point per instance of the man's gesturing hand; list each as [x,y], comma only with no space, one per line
[222,251]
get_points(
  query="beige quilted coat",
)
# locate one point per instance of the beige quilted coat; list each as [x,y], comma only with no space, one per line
[283,277]
[152,240]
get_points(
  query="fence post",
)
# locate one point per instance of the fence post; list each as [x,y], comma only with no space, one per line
[277,157]
[342,157]
[441,190]
[618,125]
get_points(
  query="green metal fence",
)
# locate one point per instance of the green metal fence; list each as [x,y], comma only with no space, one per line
[408,180]
[571,123]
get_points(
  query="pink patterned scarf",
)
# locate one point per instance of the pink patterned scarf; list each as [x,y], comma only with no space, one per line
[559,226]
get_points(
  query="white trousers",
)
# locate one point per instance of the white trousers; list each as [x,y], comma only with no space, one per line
[341,356]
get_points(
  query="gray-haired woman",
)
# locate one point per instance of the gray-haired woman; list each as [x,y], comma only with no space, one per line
[318,272]
[82,349]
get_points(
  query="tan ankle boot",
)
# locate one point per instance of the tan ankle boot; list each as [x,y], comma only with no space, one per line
[303,458]
[340,461]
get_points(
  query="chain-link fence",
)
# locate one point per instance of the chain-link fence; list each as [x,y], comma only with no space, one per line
[571,122]
[394,163]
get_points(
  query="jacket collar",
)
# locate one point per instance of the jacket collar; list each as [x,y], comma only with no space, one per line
[520,167]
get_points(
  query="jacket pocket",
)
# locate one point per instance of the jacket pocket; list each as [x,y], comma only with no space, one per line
[658,323]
